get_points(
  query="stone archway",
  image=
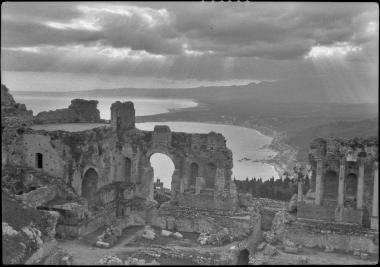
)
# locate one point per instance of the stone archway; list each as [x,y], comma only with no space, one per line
[243,257]
[163,168]
[90,185]
[330,185]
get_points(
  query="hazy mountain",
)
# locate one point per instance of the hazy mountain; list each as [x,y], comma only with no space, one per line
[307,90]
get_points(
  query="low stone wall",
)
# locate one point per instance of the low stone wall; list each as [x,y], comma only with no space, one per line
[345,240]
[205,201]
[328,213]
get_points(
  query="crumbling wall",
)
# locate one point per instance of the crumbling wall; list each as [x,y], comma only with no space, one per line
[80,110]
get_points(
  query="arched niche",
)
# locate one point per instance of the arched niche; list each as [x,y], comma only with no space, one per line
[351,185]
[330,185]
[194,173]
[90,185]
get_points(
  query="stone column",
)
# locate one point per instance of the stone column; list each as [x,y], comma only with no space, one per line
[220,180]
[360,187]
[318,182]
[342,175]
[176,183]
[375,198]
[300,191]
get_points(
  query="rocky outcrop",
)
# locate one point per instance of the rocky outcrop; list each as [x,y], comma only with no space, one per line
[13,114]
[80,110]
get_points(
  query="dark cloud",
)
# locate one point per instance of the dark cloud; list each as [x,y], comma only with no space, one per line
[196,39]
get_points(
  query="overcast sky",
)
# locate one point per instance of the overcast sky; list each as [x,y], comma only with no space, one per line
[210,42]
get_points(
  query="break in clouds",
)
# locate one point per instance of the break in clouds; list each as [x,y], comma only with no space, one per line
[203,41]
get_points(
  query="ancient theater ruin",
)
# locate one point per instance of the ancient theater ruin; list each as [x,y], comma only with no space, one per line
[103,176]
[84,196]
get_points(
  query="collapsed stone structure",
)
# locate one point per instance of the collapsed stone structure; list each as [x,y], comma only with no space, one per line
[344,182]
[80,110]
[340,211]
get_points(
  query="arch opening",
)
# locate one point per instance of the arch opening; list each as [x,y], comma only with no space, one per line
[243,257]
[89,185]
[194,172]
[330,187]
[163,168]
[210,173]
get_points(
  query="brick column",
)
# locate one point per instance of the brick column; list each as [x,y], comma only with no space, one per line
[318,182]
[375,198]
[360,190]
[341,181]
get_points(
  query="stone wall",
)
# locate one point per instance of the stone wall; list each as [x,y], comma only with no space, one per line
[80,110]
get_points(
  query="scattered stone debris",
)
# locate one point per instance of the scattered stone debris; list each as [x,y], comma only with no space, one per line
[261,246]
[110,260]
[178,235]
[135,261]
[270,250]
[109,237]
[148,233]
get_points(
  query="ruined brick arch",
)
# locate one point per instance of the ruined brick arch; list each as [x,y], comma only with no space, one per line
[175,160]
[90,185]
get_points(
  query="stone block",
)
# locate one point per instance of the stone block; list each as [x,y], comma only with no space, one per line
[178,235]
[101,244]
[166,233]
[292,250]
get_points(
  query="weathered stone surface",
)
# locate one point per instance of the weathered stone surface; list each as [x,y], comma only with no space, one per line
[293,250]
[261,246]
[178,235]
[102,244]
[166,233]
[270,250]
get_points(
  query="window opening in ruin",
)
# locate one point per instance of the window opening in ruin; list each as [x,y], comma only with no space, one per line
[39,163]
[163,168]
[210,172]
[194,170]
[351,185]
[330,188]
[243,257]
[128,169]
[89,185]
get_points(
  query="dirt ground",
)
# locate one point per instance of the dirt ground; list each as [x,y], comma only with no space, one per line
[131,245]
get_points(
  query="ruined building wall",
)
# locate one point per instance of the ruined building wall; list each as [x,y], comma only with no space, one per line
[342,180]
[80,110]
